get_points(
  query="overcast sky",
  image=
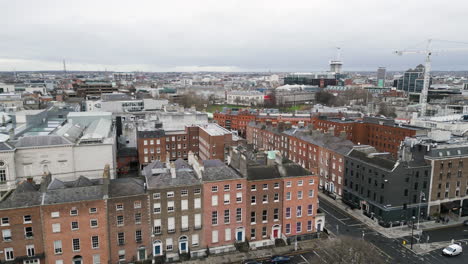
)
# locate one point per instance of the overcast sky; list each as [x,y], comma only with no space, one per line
[224,35]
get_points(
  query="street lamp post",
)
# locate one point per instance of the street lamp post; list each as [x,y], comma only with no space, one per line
[422,197]
[412,231]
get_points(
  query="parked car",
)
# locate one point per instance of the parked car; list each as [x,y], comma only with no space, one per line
[280,259]
[452,250]
[465,222]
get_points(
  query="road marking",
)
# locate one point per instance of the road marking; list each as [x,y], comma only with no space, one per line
[319,256]
[304,259]
[357,224]
[381,251]
[347,218]
[332,216]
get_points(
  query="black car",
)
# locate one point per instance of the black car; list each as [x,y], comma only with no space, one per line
[465,223]
[280,259]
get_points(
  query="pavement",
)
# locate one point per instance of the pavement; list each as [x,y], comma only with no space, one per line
[391,232]
[340,220]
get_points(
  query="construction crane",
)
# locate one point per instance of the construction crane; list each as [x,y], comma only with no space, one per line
[428,52]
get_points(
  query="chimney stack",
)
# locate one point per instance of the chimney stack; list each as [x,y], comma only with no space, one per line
[173,171]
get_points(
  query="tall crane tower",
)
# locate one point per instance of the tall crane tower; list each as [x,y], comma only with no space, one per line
[428,52]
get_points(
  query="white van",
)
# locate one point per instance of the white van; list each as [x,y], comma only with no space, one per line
[452,250]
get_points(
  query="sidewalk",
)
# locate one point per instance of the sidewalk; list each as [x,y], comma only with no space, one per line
[391,232]
[238,257]
[426,248]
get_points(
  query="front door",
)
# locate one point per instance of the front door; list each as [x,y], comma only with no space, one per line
[183,246]
[239,235]
[319,227]
[157,250]
[275,233]
[141,254]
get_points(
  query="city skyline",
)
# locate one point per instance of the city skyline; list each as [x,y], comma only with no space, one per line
[239,36]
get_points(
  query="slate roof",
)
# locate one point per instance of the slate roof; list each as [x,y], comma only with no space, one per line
[126,187]
[376,160]
[212,163]
[220,173]
[26,194]
[158,176]
[65,195]
[5,146]
[41,141]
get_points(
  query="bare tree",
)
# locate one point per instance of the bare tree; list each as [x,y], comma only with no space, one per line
[347,250]
[386,110]
[325,98]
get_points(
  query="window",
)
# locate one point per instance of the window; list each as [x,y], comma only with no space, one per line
[96,259]
[28,232]
[288,212]
[299,211]
[299,195]
[252,233]
[309,225]
[197,221]
[74,225]
[197,203]
[157,226]
[56,228]
[137,218]
[311,181]
[58,247]
[214,217]
[253,187]
[300,183]
[119,207]
[6,234]
[55,214]
[156,195]
[59,261]
[265,198]
[137,204]
[120,238]
[195,240]
[170,194]
[27,219]
[9,254]
[310,209]
[238,197]
[253,199]
[239,186]
[239,214]
[74,212]
[298,227]
[2,176]
[171,225]
[95,242]
[311,193]
[227,234]
[227,216]
[30,250]
[264,216]
[276,214]
[93,223]
[214,188]
[214,236]
[138,236]
[120,220]
[92,210]
[157,208]
[276,197]
[264,231]
[76,244]
[265,186]
[276,185]
[288,184]
[5,221]
[227,198]
[183,192]
[288,196]
[227,187]
[184,205]
[197,191]
[214,200]
[170,206]
[288,229]
[252,217]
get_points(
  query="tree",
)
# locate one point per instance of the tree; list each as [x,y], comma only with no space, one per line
[325,98]
[347,250]
[386,110]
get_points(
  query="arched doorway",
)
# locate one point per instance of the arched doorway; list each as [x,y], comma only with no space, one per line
[157,248]
[319,226]
[77,260]
[183,244]
[276,231]
[240,234]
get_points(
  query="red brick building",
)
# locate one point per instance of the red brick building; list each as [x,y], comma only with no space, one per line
[129,222]
[21,226]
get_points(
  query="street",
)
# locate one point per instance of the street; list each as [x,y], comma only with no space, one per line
[341,223]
